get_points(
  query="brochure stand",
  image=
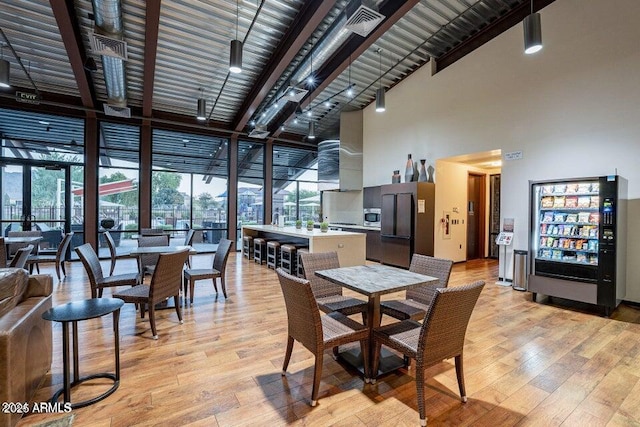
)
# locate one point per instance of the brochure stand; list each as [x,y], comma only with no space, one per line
[503,240]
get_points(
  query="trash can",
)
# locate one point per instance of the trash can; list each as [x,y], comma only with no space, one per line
[520,270]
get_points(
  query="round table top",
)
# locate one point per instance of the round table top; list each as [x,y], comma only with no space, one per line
[82,310]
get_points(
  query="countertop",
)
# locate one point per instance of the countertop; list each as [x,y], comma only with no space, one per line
[355,227]
[302,232]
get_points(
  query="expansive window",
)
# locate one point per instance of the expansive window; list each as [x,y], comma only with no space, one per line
[118,194]
[250,184]
[295,184]
[189,186]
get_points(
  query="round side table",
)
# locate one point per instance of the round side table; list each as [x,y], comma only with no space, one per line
[72,313]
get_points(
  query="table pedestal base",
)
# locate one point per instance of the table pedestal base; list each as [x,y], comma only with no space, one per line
[114,387]
[352,357]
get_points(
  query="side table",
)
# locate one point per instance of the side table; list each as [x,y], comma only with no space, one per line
[72,313]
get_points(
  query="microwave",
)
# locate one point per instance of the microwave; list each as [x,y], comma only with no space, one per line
[372,217]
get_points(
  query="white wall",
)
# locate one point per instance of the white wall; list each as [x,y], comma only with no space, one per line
[342,206]
[572,109]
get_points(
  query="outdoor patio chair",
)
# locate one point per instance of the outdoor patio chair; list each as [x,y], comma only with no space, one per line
[58,257]
[98,282]
[439,337]
[316,332]
[165,283]
[417,300]
[218,270]
[148,262]
[329,295]
[19,260]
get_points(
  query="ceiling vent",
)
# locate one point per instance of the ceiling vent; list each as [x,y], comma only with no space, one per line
[102,45]
[295,94]
[112,110]
[259,132]
[362,17]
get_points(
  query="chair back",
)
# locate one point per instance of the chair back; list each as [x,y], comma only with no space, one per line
[429,266]
[3,253]
[15,246]
[188,239]
[61,253]
[91,264]
[111,244]
[303,315]
[312,262]
[221,255]
[445,325]
[167,276]
[19,260]
[153,240]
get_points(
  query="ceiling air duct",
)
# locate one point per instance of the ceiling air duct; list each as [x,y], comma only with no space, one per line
[259,132]
[362,17]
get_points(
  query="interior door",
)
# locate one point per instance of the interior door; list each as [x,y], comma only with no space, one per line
[475,216]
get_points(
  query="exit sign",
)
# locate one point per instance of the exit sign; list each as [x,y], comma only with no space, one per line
[513,155]
[28,97]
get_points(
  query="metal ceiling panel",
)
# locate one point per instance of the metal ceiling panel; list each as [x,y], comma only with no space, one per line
[33,32]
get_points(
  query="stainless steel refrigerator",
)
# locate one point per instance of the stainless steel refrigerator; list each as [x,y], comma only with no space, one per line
[407,222]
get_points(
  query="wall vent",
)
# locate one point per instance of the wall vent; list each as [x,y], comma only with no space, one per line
[295,94]
[362,17]
[112,110]
[102,45]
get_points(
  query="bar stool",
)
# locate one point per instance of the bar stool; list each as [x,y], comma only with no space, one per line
[247,247]
[259,250]
[288,258]
[273,254]
[299,268]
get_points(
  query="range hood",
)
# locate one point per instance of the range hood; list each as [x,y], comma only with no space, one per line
[340,161]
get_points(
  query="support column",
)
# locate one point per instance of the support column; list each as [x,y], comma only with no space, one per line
[232,190]
[267,201]
[91,181]
[144,189]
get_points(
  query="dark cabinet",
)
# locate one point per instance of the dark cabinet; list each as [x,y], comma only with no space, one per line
[371,197]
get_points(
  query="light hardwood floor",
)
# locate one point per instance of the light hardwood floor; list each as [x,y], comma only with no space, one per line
[525,364]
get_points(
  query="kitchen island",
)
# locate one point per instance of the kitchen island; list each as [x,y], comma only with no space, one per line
[351,247]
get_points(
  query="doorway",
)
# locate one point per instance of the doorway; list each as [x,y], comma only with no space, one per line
[36,196]
[476,200]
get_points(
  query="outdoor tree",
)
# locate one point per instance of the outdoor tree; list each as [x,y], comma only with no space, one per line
[164,189]
[205,200]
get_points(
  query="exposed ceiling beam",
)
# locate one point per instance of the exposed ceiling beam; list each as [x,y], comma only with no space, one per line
[307,20]
[488,33]
[64,12]
[339,61]
[152,23]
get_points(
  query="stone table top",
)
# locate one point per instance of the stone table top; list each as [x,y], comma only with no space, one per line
[375,279]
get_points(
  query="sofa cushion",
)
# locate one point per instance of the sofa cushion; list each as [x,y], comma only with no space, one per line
[13,284]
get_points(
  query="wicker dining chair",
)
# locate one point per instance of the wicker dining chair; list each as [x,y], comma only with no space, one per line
[439,337]
[417,300]
[21,256]
[13,247]
[3,253]
[98,282]
[58,258]
[218,270]
[329,295]
[111,244]
[148,262]
[316,332]
[165,283]
[188,241]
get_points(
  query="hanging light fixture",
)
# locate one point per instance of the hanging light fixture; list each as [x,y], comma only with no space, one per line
[311,79]
[202,107]
[380,108]
[312,130]
[532,32]
[5,68]
[350,88]
[235,57]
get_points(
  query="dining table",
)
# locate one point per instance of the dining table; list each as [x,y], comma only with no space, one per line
[374,281]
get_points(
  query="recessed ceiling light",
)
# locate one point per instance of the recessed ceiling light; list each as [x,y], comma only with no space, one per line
[185,140]
[42,122]
[327,104]
[309,113]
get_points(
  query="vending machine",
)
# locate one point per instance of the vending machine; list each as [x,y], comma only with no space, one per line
[578,240]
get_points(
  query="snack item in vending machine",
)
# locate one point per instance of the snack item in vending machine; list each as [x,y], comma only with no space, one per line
[547,202]
[594,202]
[558,202]
[584,201]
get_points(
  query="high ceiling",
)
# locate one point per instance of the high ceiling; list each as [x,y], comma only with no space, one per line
[178,51]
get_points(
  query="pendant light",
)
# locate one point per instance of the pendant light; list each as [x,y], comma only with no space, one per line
[312,130]
[235,57]
[380,108]
[311,79]
[532,32]
[202,107]
[350,88]
[5,68]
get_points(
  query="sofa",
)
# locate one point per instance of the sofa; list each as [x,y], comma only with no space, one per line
[25,337]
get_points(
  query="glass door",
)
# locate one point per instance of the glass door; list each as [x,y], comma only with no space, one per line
[36,197]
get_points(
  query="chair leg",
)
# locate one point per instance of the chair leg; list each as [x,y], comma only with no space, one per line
[143,308]
[176,301]
[57,271]
[192,287]
[185,289]
[420,394]
[215,284]
[364,348]
[224,286]
[317,374]
[152,319]
[460,375]
[375,363]
[113,266]
[287,354]
[100,292]
[64,269]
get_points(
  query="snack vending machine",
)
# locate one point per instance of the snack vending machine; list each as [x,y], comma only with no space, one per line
[578,240]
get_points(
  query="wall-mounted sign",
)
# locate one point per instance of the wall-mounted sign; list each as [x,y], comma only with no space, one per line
[28,97]
[513,155]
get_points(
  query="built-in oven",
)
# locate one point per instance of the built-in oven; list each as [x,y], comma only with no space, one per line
[372,217]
